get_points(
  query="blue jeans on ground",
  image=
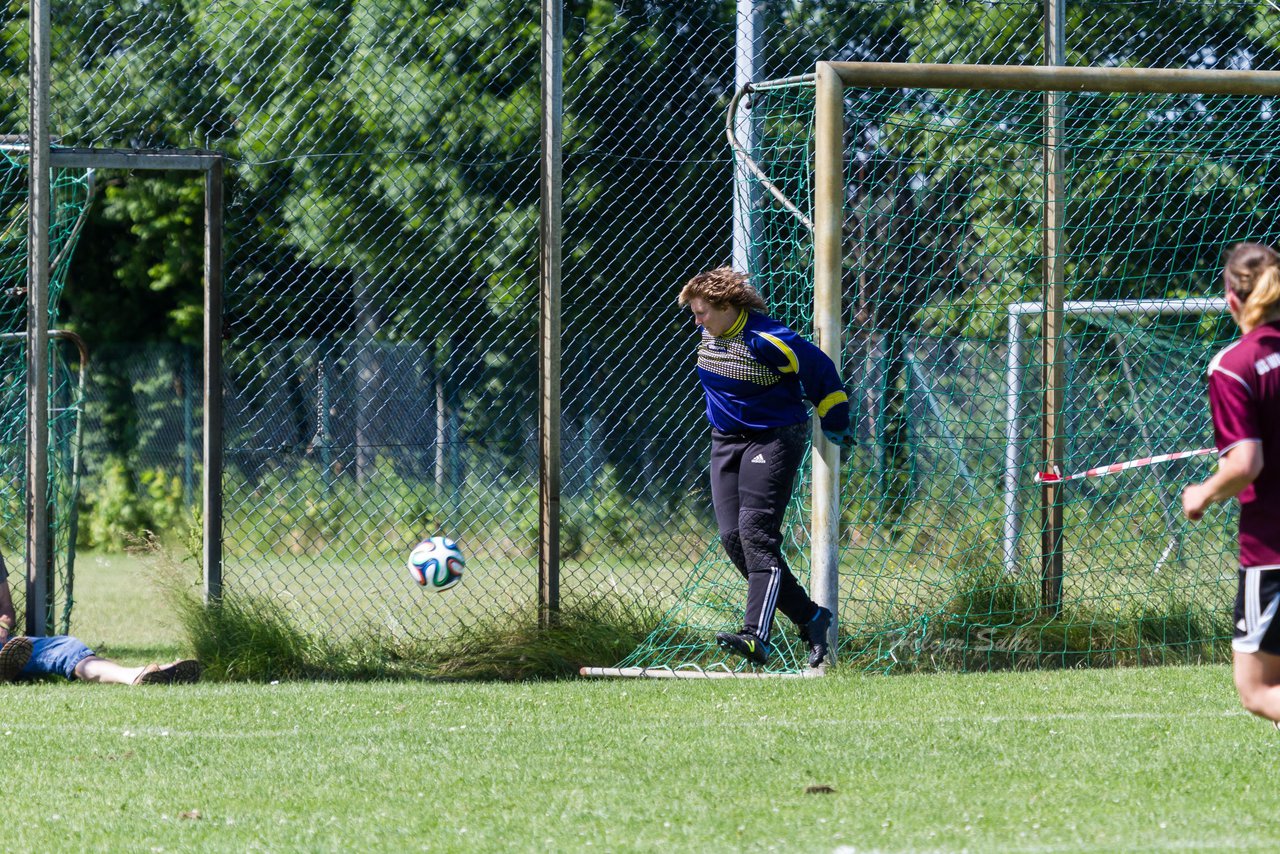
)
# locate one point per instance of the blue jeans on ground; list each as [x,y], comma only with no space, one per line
[57,654]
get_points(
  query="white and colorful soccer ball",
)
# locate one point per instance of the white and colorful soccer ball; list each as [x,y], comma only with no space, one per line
[436,563]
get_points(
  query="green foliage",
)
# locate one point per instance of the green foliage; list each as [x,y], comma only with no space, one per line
[308,509]
[116,513]
[986,33]
[139,275]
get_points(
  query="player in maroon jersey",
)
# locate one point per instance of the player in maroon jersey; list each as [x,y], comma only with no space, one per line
[1244,397]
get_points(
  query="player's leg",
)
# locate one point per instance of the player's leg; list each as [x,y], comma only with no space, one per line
[1257,677]
[106,672]
[182,672]
[765,483]
[97,669]
[1255,643]
[726,460]
[68,657]
[765,487]
[56,655]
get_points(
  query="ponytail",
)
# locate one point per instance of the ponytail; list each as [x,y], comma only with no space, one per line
[1262,304]
[1252,273]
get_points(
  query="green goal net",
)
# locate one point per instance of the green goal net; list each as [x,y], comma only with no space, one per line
[940,548]
[71,191]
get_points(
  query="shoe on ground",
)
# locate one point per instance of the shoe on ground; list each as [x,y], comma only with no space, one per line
[13,657]
[744,644]
[815,635]
[174,673]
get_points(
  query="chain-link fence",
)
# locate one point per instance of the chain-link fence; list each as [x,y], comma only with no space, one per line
[382,259]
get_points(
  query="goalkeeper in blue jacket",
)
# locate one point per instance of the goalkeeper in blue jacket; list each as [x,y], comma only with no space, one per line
[757,375]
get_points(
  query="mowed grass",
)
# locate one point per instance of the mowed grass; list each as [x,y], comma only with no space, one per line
[121,609]
[1076,761]
[1158,759]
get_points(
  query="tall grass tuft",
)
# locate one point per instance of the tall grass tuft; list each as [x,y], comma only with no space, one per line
[518,648]
[247,637]
[993,621]
[253,639]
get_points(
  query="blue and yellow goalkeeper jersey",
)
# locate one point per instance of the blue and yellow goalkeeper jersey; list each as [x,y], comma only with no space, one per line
[758,374]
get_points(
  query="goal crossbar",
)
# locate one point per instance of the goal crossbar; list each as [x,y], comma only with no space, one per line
[1033,78]
[831,80]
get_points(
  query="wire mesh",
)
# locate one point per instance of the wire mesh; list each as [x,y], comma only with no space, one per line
[381,267]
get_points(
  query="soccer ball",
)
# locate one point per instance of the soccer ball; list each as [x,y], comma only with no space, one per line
[436,563]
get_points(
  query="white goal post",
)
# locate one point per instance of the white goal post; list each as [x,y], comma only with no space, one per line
[1014,420]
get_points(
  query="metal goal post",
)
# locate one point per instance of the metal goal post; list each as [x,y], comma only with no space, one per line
[211,165]
[832,80]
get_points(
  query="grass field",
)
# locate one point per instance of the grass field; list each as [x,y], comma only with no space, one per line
[121,610]
[1106,760]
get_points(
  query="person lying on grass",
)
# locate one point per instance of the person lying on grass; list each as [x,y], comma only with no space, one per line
[30,658]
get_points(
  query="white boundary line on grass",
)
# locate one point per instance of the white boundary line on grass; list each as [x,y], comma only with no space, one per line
[1216,844]
[10,728]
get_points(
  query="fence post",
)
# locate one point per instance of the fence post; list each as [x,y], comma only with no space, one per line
[1054,386]
[213,381]
[38,211]
[549,313]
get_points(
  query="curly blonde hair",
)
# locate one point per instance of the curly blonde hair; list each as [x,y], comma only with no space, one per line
[723,287]
[1252,272]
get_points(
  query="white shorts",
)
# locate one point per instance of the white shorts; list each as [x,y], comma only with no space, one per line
[1257,601]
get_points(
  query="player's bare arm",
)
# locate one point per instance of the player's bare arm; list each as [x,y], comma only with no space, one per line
[1237,468]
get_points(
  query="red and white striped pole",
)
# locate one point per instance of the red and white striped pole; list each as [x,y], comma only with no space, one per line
[1102,471]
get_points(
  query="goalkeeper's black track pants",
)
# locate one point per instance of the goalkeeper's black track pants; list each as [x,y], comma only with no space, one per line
[752,475]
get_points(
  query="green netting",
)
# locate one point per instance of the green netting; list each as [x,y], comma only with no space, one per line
[940,558]
[71,190]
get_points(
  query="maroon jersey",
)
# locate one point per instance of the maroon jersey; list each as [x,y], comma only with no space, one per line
[1244,396]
